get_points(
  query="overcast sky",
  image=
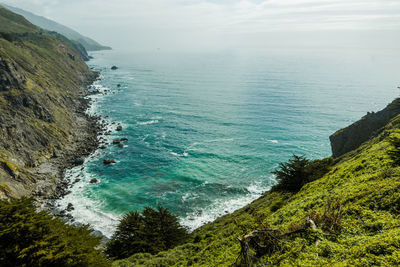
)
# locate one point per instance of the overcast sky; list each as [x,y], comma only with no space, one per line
[226,23]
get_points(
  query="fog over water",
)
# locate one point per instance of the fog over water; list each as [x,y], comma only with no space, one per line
[178,25]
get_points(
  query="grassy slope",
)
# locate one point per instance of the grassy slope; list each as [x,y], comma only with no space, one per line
[36,118]
[365,184]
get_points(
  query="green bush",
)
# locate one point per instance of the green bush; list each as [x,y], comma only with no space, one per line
[150,232]
[31,238]
[298,171]
[394,153]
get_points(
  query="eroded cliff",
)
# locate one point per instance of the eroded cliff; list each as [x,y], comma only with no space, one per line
[42,124]
[369,126]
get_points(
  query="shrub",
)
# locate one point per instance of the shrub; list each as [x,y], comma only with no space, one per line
[298,171]
[150,232]
[394,153]
[31,238]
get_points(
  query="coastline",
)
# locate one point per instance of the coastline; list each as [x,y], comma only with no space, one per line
[84,142]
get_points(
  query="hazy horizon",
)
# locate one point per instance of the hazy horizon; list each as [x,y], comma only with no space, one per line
[227,24]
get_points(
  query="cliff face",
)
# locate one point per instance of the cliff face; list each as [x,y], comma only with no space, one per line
[41,81]
[351,137]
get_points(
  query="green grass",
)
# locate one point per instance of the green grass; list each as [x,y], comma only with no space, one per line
[364,183]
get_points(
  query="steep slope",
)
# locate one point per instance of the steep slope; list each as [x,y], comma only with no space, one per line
[41,80]
[50,25]
[74,44]
[355,208]
[370,125]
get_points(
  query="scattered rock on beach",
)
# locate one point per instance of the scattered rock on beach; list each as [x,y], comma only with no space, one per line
[78,161]
[108,161]
[77,180]
[70,207]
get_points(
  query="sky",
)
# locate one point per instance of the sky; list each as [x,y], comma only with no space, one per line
[219,24]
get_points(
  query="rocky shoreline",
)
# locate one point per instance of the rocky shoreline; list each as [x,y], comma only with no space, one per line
[85,142]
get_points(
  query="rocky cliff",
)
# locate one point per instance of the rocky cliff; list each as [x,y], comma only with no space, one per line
[42,124]
[351,137]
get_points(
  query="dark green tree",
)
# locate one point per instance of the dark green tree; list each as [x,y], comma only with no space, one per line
[298,171]
[152,231]
[292,175]
[31,238]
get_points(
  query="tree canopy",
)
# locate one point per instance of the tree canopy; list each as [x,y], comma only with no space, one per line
[152,231]
[34,238]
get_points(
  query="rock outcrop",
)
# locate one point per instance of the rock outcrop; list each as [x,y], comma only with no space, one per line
[351,137]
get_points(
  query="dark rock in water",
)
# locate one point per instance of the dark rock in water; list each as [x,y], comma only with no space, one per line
[120,145]
[118,85]
[108,161]
[77,180]
[97,233]
[119,128]
[70,207]
[94,181]
[78,161]
[123,139]
[114,67]
[116,141]
[103,147]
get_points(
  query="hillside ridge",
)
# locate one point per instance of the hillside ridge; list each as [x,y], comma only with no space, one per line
[52,26]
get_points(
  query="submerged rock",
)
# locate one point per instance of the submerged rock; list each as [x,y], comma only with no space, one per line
[116,141]
[120,145]
[108,161]
[114,67]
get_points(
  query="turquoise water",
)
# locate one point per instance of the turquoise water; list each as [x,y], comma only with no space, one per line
[206,130]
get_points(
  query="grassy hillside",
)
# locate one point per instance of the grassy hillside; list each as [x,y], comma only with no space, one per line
[42,22]
[355,207]
[41,79]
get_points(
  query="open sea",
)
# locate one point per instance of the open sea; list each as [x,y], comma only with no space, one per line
[205,130]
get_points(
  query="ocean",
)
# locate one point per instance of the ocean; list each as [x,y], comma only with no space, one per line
[205,130]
